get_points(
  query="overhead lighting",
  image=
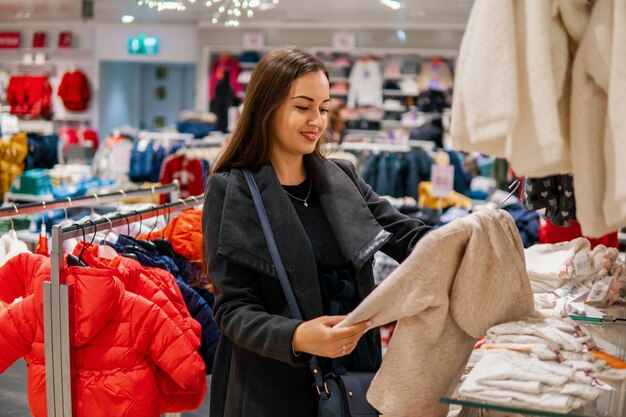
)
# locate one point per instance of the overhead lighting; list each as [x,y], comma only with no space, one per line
[231,10]
[401,34]
[127,18]
[392,4]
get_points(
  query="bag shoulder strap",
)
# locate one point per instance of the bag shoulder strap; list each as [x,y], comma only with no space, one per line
[280,269]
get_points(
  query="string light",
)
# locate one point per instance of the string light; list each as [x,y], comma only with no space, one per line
[232,10]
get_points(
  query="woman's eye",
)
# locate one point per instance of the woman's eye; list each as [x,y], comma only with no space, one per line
[324,110]
[302,108]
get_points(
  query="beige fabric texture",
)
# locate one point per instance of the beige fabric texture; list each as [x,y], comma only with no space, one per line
[459,281]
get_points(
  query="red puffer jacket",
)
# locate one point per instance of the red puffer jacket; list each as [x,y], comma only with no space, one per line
[138,281]
[119,341]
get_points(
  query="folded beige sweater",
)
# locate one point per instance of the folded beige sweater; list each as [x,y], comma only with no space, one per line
[459,281]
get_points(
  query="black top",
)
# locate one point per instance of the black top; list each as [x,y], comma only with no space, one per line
[336,277]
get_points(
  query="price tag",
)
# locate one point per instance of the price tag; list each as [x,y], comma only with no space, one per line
[582,264]
[572,291]
[442,177]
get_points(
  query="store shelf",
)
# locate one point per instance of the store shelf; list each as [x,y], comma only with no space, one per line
[399,77]
[247,65]
[608,405]
[397,93]
[611,403]
[338,93]
[339,79]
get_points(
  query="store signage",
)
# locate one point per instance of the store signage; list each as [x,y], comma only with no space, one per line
[39,39]
[9,40]
[65,39]
[143,45]
[442,177]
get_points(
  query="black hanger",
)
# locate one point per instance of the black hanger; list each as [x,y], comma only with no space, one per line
[164,246]
[124,252]
[72,260]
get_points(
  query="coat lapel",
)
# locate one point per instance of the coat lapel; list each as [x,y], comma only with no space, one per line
[344,206]
[241,238]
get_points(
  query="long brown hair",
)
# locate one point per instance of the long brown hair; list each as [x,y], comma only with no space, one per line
[249,144]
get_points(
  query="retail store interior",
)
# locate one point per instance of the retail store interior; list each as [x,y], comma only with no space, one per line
[114,112]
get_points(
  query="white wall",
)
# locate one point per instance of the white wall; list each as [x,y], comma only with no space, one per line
[177,43]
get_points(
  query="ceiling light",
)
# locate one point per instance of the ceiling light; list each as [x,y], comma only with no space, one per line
[401,34]
[392,4]
[127,18]
[234,9]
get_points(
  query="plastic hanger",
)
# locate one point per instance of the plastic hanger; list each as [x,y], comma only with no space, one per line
[124,252]
[73,260]
[164,246]
[104,250]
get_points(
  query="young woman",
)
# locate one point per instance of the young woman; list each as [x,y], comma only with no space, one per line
[328,224]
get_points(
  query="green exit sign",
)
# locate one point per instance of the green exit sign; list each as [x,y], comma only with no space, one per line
[143,45]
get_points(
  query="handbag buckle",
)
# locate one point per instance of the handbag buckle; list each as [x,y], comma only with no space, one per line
[325,389]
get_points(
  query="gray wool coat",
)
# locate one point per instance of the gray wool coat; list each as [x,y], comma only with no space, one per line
[255,372]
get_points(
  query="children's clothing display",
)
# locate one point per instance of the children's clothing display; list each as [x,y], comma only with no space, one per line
[30,95]
[539,364]
[540,120]
[366,81]
[449,303]
[12,156]
[121,340]
[74,90]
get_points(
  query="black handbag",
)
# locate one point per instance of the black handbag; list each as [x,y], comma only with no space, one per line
[339,395]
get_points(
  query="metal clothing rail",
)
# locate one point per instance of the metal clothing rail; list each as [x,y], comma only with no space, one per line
[56,302]
[64,203]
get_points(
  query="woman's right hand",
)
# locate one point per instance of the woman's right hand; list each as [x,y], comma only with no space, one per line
[318,337]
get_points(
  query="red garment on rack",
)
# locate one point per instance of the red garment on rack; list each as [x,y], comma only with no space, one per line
[219,68]
[549,233]
[74,91]
[72,136]
[188,172]
[119,340]
[138,280]
[184,232]
[30,95]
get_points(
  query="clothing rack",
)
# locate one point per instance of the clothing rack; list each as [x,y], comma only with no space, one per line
[56,301]
[164,136]
[65,203]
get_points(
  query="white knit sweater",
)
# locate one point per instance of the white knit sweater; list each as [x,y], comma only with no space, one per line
[542,83]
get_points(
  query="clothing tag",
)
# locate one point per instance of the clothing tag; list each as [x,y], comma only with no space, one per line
[600,292]
[572,291]
[442,178]
[582,264]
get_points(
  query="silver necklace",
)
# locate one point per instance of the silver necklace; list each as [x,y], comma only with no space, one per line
[305,198]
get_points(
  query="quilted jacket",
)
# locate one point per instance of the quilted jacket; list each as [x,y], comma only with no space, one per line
[121,342]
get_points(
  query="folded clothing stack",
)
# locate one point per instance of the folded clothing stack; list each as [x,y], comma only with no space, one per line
[34,182]
[568,268]
[546,364]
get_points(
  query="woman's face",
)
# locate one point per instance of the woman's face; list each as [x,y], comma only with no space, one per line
[302,118]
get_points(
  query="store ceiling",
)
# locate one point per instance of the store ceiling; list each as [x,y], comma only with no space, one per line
[350,13]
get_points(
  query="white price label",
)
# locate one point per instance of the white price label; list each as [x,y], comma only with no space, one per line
[582,264]
[572,291]
[442,178]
